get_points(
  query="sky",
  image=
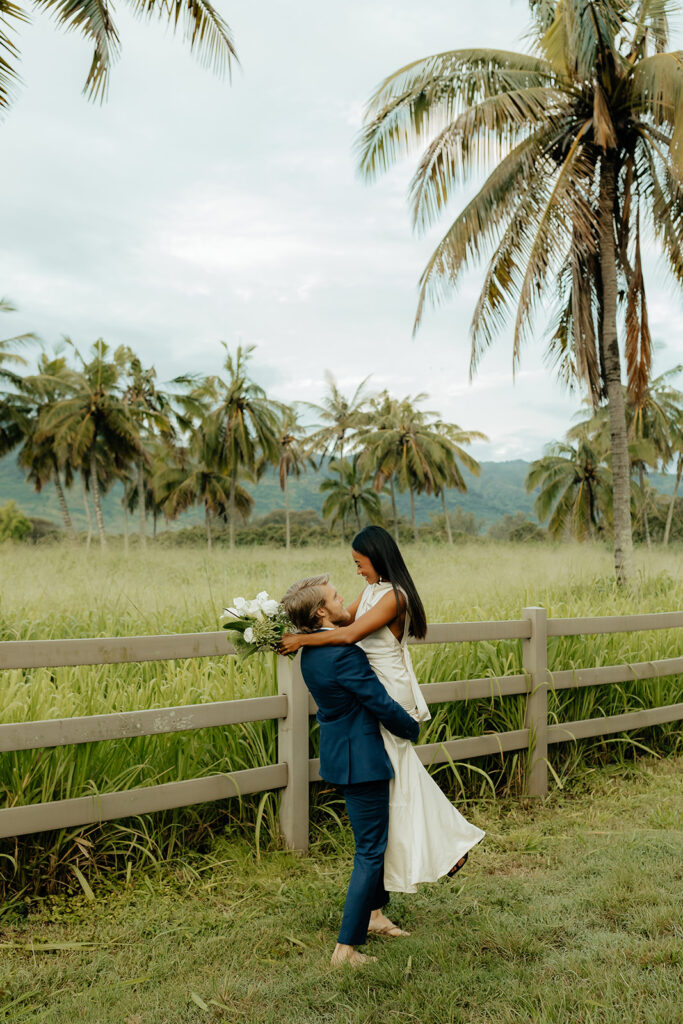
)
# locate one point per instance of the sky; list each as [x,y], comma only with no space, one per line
[189,210]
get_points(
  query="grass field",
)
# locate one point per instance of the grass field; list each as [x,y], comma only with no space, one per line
[568,913]
[60,592]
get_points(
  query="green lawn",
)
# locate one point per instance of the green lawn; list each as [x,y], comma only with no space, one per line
[568,912]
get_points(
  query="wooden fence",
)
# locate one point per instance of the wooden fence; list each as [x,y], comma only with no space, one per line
[293,706]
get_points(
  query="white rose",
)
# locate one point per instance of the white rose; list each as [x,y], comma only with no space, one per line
[270,607]
[254,609]
[240,604]
[249,635]
[230,613]
[263,596]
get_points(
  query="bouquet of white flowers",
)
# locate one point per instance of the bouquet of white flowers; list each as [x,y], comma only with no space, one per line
[256,625]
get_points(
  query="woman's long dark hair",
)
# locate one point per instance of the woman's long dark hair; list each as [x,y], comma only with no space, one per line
[380,547]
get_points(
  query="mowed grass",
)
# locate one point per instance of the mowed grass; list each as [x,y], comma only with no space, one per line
[55,592]
[568,912]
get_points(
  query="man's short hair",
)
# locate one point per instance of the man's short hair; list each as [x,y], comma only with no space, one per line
[304,599]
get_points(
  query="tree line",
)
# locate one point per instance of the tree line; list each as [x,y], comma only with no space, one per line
[95,419]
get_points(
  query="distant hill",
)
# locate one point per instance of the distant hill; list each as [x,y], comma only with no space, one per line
[498,491]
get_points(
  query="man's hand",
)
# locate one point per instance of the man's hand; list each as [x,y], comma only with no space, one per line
[290,643]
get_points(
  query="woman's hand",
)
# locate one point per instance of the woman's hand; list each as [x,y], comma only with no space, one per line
[291,642]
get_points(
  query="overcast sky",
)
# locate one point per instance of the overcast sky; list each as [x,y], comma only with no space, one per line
[188,210]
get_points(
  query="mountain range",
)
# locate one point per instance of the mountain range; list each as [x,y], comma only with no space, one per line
[498,491]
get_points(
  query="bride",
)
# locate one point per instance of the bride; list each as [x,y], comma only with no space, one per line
[428,837]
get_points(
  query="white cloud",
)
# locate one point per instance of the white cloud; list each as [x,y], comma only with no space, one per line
[185,211]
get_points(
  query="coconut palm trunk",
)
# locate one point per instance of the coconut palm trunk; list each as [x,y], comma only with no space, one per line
[97,499]
[416,535]
[61,499]
[287,531]
[86,505]
[609,353]
[207,520]
[643,511]
[672,503]
[141,502]
[393,508]
[125,528]
[445,516]
[233,485]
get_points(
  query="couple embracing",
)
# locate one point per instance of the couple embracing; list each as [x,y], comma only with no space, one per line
[357,666]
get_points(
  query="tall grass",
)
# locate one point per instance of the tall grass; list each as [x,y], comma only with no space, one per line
[59,592]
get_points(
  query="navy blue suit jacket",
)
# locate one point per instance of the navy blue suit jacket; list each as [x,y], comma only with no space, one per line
[351,703]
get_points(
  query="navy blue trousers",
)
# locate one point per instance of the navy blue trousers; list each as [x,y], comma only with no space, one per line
[367,804]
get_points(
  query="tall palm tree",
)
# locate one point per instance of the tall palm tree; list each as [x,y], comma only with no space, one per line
[294,457]
[39,454]
[195,475]
[349,495]
[585,136]
[652,419]
[151,410]
[205,30]
[93,423]
[575,487]
[341,417]
[242,425]
[14,413]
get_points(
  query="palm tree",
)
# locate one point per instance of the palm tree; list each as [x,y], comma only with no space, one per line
[242,425]
[448,472]
[209,36]
[348,494]
[584,135]
[293,458]
[400,445]
[196,475]
[575,487]
[94,424]
[43,459]
[340,416]
[14,413]
[655,418]
[152,413]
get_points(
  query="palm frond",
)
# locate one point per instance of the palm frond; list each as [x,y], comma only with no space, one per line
[425,95]
[481,135]
[567,213]
[513,185]
[203,28]
[93,19]
[638,349]
[9,53]
[656,91]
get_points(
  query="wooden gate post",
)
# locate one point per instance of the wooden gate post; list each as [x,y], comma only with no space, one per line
[535,663]
[292,747]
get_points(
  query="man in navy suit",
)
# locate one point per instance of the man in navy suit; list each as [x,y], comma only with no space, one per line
[351,704]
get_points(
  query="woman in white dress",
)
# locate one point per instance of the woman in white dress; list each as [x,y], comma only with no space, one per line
[428,837]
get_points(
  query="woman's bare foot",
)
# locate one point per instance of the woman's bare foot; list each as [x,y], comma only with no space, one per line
[348,955]
[381,925]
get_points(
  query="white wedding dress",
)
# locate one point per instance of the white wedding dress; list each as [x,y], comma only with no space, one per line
[427,834]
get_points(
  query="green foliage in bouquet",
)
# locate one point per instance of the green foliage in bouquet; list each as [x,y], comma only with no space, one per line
[256,626]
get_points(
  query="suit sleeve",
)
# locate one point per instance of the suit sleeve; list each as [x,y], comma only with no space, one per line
[354,674]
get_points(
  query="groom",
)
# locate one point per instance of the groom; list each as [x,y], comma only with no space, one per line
[351,703]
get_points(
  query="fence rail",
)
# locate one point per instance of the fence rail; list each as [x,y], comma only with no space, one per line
[293,706]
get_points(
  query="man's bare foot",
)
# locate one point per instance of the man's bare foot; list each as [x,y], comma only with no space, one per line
[348,955]
[381,925]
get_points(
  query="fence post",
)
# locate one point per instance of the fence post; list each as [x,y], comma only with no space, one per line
[292,746]
[535,663]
